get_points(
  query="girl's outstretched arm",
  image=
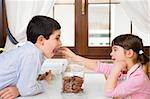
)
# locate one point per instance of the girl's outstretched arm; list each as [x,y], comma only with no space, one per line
[88,63]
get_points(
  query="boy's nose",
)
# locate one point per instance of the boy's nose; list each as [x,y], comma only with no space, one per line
[60,44]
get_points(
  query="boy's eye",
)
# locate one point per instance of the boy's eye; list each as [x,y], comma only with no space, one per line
[114,49]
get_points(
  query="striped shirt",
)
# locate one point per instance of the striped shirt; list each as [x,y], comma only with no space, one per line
[20,67]
[135,86]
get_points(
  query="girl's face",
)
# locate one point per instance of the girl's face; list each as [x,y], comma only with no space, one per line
[51,45]
[118,53]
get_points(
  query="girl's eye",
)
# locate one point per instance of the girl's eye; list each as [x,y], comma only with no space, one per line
[115,49]
[57,38]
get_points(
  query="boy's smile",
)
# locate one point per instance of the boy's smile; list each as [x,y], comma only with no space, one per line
[53,44]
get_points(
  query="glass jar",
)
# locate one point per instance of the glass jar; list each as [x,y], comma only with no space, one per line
[73,78]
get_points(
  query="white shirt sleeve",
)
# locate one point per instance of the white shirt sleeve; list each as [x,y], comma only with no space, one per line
[27,81]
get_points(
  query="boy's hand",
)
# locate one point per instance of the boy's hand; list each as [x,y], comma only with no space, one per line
[9,92]
[46,76]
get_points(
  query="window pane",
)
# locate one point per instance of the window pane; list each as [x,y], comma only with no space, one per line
[64,13]
[99,23]
[145,36]
[120,22]
[65,1]
[98,18]
[102,1]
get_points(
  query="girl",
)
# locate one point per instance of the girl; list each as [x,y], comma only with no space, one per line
[127,56]
[19,67]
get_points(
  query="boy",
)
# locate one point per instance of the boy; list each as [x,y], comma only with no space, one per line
[19,67]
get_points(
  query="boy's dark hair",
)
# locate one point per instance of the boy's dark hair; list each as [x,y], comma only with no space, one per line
[41,25]
[129,41]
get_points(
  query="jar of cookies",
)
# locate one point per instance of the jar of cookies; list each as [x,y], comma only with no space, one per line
[73,78]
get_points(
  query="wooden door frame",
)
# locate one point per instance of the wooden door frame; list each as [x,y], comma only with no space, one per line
[3,24]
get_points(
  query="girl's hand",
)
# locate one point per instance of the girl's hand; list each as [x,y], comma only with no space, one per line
[120,65]
[9,92]
[68,54]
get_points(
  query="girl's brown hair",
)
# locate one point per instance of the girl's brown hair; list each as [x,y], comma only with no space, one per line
[129,41]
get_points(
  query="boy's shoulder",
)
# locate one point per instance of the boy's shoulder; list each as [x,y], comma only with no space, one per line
[26,48]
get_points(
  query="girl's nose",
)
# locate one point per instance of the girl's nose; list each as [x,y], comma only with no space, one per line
[111,53]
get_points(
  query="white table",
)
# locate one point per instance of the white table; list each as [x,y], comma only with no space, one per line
[93,89]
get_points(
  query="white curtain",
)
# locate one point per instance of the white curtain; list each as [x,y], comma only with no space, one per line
[139,12]
[20,12]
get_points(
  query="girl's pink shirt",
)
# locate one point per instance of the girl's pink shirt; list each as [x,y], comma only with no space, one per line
[135,86]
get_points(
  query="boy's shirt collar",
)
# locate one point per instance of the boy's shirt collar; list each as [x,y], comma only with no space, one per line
[39,50]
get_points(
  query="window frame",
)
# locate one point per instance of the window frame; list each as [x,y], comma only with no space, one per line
[81,35]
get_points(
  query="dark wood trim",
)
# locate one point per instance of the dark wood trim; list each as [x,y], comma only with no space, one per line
[103,52]
[80,28]
[3,24]
[78,34]
[99,52]
[85,29]
[131,29]
[1,20]
[110,21]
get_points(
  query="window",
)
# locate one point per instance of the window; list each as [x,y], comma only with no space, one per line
[64,12]
[90,25]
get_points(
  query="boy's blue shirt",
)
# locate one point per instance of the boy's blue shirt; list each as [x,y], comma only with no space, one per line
[20,66]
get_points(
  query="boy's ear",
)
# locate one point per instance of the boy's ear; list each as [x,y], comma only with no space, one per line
[40,40]
[130,53]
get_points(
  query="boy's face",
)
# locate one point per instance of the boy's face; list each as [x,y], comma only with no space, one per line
[51,45]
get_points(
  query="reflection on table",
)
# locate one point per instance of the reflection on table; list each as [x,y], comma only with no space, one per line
[93,89]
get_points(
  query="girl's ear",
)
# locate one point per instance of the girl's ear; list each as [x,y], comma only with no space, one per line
[130,53]
[40,40]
